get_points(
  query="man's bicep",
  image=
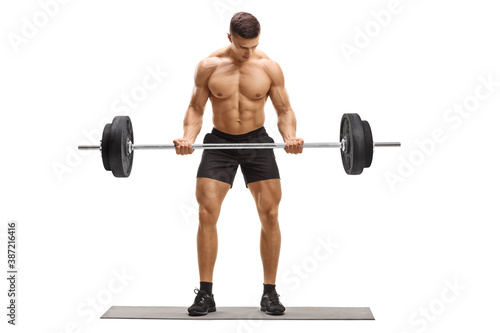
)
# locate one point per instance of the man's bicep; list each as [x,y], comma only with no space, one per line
[279,98]
[277,92]
[199,98]
[201,91]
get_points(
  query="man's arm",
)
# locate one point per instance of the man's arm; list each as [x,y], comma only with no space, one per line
[287,123]
[193,119]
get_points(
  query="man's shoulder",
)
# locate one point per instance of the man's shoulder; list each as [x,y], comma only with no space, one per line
[212,61]
[215,58]
[209,63]
[220,53]
[206,67]
[263,58]
[271,67]
[265,61]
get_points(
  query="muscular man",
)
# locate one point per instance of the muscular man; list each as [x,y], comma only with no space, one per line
[238,79]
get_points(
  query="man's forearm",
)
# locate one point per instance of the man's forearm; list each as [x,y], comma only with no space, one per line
[192,123]
[287,124]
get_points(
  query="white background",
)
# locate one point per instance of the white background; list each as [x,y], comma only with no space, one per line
[398,247]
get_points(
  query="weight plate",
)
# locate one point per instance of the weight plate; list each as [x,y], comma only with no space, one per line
[121,132]
[105,146]
[368,144]
[353,158]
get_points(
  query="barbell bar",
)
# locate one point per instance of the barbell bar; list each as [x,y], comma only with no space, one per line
[132,146]
[356,145]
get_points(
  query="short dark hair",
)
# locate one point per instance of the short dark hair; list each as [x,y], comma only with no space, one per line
[244,24]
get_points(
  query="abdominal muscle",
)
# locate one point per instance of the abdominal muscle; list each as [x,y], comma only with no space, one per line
[238,114]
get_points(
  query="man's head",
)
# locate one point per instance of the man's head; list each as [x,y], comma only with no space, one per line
[244,35]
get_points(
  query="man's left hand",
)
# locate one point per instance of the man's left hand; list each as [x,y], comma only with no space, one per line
[294,145]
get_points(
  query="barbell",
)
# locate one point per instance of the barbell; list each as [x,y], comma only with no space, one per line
[356,145]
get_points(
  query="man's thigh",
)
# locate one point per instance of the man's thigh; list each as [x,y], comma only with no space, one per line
[210,192]
[266,193]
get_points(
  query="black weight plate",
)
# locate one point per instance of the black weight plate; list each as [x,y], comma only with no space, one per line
[353,158]
[105,146]
[368,144]
[121,133]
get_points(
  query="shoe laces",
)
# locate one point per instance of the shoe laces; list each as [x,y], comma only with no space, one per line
[274,298]
[200,294]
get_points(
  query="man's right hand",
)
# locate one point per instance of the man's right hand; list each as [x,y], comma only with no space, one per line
[183,146]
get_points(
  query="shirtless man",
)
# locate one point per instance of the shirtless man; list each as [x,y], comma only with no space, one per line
[238,79]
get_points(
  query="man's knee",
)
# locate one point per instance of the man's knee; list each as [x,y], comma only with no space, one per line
[268,214]
[208,208]
[206,211]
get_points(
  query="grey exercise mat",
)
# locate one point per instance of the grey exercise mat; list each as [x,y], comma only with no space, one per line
[239,313]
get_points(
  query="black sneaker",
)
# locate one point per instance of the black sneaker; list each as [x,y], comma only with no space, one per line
[271,304]
[203,303]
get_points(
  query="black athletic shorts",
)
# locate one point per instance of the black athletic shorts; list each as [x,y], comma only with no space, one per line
[221,164]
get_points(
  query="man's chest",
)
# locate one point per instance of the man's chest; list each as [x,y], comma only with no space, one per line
[251,81]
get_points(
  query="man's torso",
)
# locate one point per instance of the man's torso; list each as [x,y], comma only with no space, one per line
[238,92]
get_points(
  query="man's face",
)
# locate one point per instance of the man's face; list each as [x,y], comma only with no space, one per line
[242,47]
